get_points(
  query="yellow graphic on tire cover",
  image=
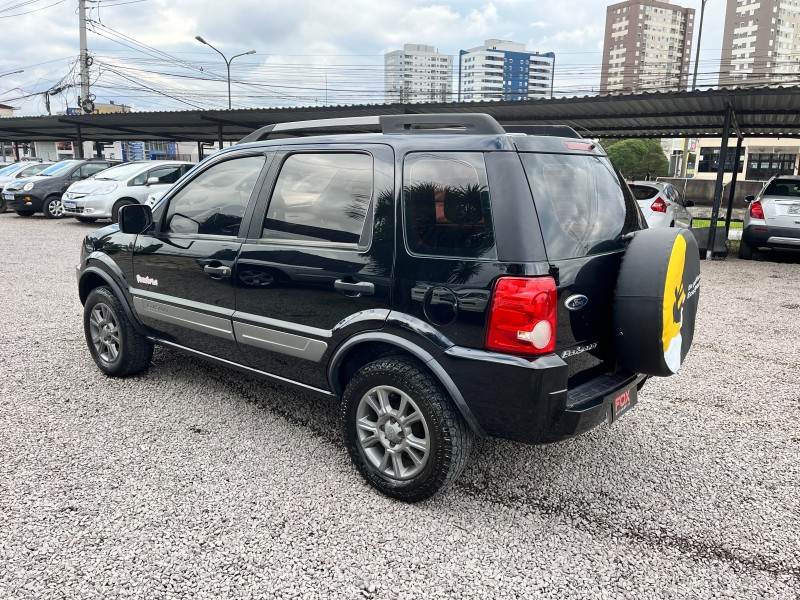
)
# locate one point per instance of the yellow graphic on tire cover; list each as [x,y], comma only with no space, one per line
[674,297]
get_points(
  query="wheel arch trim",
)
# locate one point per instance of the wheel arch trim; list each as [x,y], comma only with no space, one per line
[423,355]
[115,288]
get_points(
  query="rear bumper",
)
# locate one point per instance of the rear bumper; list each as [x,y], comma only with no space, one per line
[527,400]
[773,237]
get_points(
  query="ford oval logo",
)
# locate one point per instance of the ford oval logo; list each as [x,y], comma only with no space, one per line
[576,302]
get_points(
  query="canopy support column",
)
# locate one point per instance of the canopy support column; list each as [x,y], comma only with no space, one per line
[723,154]
[728,213]
[78,142]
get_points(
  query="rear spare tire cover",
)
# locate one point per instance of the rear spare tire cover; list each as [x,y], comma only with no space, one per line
[655,301]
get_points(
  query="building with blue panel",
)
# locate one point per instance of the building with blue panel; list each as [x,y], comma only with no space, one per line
[504,70]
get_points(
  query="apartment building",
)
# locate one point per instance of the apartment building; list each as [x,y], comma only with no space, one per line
[647,47]
[504,70]
[418,73]
[761,43]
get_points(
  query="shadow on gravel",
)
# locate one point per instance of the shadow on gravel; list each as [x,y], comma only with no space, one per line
[578,482]
[776,256]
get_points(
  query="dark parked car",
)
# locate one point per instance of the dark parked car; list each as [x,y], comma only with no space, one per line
[442,278]
[19,170]
[42,193]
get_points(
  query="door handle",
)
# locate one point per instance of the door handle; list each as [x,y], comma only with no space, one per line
[217,272]
[360,287]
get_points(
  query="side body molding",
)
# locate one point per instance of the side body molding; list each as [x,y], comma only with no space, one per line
[411,348]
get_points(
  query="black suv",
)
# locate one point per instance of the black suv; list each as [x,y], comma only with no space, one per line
[444,278]
[43,192]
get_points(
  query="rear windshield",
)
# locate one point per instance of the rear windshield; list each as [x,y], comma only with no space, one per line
[783,187]
[643,192]
[581,205]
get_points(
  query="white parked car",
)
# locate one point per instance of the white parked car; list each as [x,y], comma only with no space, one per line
[662,204]
[101,196]
[773,218]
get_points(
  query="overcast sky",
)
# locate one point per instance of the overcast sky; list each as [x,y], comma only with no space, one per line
[307,51]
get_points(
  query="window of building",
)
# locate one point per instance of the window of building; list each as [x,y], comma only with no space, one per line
[763,166]
[709,160]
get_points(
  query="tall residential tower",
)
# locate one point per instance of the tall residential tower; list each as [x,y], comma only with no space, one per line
[418,73]
[647,47]
[761,43]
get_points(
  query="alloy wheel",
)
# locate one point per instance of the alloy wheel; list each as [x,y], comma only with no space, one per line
[104,330]
[392,432]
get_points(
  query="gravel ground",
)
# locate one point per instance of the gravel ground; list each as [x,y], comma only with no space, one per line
[195,481]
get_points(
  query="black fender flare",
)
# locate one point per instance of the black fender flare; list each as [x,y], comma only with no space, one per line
[118,292]
[421,354]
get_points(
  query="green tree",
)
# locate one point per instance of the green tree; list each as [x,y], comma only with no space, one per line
[638,158]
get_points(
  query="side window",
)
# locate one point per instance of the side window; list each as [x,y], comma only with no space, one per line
[446,205]
[169,174]
[213,203]
[321,197]
[91,169]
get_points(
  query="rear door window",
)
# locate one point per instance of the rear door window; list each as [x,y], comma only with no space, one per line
[580,203]
[446,205]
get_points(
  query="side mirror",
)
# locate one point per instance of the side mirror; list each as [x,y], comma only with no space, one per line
[688,203]
[749,199]
[135,218]
[152,180]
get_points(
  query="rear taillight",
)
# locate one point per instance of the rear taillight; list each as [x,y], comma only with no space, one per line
[756,210]
[522,317]
[659,205]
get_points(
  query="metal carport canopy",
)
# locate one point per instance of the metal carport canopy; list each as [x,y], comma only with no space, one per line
[758,112]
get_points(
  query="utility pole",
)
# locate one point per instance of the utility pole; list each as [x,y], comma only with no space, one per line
[697,49]
[84,52]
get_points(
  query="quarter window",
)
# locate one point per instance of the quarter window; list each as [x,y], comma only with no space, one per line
[321,198]
[213,203]
[446,205]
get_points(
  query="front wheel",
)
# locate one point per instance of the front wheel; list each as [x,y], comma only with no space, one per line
[116,347]
[53,208]
[3,205]
[402,430]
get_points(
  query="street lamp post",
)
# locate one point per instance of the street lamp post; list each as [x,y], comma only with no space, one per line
[227,62]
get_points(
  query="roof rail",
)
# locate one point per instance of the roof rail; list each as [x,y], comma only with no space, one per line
[471,123]
[553,130]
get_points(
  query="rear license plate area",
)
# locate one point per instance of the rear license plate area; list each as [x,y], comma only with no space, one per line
[621,402]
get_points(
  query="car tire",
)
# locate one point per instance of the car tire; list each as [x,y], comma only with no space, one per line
[86,219]
[745,251]
[115,210]
[116,347]
[3,206]
[24,213]
[403,432]
[52,208]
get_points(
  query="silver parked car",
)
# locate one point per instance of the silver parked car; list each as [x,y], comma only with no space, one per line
[773,218]
[101,196]
[662,204]
[19,170]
